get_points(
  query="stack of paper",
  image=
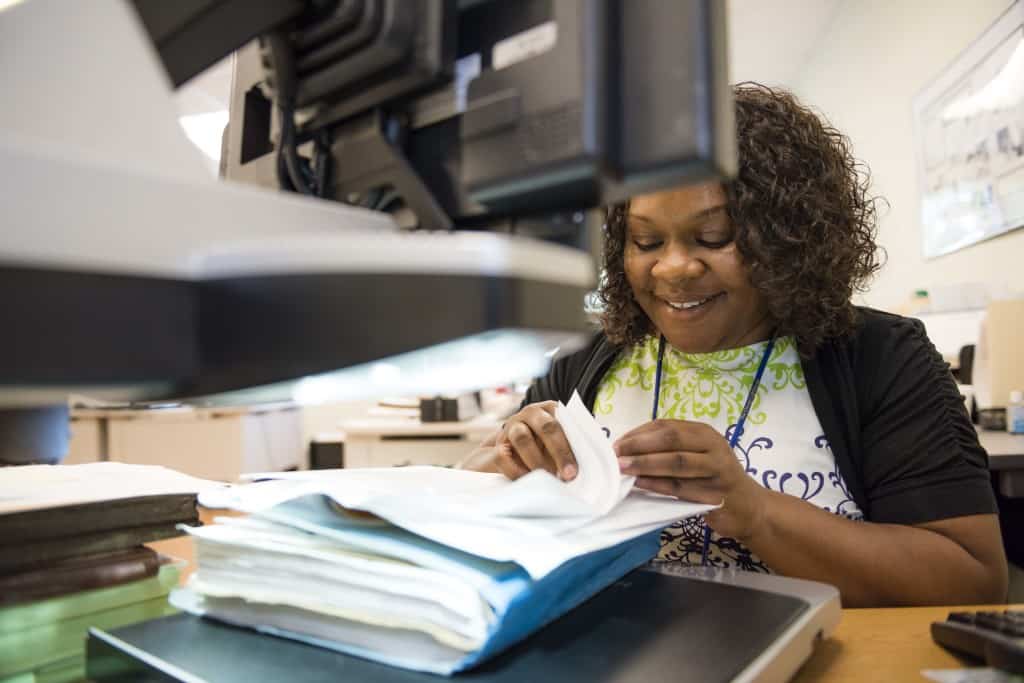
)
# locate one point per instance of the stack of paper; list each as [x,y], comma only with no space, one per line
[426,568]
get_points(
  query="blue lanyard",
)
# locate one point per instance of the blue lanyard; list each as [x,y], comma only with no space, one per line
[737,431]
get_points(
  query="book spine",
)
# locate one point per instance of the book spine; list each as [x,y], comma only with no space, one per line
[72,520]
[30,556]
[96,571]
[51,610]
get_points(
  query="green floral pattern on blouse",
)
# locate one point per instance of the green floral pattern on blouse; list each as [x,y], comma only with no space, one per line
[702,386]
[785,451]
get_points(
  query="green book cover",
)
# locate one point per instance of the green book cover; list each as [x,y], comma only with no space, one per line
[29,649]
[22,617]
[27,677]
[68,670]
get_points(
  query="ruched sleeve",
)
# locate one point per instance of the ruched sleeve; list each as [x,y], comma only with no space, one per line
[920,458]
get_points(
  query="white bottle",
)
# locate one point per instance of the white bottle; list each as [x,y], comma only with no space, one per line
[1015,413]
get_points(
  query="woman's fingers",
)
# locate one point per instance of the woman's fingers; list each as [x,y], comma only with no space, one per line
[688,460]
[508,463]
[679,464]
[693,490]
[660,436]
[538,440]
[527,447]
[546,428]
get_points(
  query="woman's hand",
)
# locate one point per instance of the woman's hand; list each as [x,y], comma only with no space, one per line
[530,440]
[692,461]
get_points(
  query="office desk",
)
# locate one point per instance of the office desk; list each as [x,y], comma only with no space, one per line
[219,443]
[1006,460]
[869,644]
[391,441]
[883,645]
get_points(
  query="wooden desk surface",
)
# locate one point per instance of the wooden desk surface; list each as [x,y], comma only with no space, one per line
[869,644]
[883,645]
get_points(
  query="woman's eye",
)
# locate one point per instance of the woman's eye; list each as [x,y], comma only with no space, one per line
[714,243]
[715,238]
[646,246]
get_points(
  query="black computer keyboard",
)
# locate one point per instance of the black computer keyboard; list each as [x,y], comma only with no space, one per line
[995,637]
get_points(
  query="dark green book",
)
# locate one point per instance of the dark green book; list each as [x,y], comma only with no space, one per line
[34,526]
[28,556]
[78,574]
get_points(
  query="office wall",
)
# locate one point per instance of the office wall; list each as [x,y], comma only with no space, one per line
[863,74]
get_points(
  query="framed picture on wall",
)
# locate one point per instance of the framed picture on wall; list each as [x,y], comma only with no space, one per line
[969,125]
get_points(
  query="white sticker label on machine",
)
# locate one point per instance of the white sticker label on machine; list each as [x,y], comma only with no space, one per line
[529,43]
[466,69]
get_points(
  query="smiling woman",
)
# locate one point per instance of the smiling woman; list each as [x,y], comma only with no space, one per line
[686,273]
[734,368]
[802,216]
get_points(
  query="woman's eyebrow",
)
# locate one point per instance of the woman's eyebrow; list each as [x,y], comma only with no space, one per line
[692,218]
[640,217]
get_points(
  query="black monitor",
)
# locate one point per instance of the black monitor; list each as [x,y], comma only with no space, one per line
[473,114]
[464,114]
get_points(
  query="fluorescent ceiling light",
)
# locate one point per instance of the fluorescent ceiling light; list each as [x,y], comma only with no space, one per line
[7,4]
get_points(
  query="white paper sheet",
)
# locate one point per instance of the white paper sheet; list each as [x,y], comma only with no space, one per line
[537,521]
[36,487]
[273,564]
[598,487]
[599,482]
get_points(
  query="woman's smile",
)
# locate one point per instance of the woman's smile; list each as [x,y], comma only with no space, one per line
[691,307]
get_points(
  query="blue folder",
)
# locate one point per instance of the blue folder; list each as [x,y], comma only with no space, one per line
[521,605]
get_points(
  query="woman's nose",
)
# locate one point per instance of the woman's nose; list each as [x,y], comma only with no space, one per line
[677,263]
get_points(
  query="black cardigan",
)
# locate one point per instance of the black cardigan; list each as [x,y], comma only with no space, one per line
[889,408]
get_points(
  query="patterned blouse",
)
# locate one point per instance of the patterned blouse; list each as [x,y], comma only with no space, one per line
[783,446]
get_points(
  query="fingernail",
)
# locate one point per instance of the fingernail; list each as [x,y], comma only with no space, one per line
[568,472]
[625,463]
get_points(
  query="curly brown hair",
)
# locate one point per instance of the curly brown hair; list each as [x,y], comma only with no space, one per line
[804,220]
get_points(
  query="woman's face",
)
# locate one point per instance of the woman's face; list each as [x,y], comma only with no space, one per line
[686,273]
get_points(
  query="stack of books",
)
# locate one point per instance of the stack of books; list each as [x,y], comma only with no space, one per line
[72,557]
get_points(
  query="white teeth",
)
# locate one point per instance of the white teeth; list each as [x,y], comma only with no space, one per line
[684,305]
